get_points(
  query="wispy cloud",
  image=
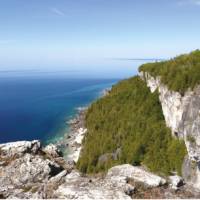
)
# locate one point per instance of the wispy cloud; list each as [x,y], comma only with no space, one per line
[189,2]
[57,12]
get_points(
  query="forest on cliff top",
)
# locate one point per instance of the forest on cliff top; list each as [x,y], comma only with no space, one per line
[127,126]
[179,73]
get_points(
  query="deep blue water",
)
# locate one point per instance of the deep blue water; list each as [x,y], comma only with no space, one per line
[38,107]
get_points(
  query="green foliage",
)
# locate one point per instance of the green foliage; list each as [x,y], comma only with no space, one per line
[130,118]
[191,139]
[178,74]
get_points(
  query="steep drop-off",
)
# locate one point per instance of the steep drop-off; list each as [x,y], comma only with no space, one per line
[153,121]
[177,82]
[127,126]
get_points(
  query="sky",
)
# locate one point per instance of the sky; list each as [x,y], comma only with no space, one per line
[74,34]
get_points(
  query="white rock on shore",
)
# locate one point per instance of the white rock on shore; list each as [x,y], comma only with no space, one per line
[52,150]
[75,145]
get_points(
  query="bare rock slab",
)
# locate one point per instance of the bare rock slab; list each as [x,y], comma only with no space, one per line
[124,172]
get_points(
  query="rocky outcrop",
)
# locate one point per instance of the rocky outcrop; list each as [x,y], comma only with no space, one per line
[28,170]
[124,172]
[78,187]
[121,182]
[115,185]
[25,169]
[182,115]
[19,148]
[52,150]
[191,172]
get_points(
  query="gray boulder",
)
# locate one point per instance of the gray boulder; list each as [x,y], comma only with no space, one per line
[176,182]
[121,173]
[19,148]
[79,187]
[52,150]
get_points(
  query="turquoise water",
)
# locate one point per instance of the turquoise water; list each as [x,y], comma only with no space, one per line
[37,107]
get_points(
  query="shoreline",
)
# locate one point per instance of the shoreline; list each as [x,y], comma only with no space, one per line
[75,136]
[71,144]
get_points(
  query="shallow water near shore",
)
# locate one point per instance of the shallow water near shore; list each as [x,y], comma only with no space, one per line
[39,107]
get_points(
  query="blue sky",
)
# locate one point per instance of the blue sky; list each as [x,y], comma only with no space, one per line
[63,33]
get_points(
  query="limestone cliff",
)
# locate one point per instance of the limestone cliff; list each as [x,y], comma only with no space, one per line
[182,115]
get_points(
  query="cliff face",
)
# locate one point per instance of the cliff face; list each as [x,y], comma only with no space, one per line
[182,115]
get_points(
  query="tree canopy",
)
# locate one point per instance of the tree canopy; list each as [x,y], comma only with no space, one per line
[129,122]
[179,74]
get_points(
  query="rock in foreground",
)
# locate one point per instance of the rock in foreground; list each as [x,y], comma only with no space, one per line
[114,185]
[28,170]
[124,172]
[78,187]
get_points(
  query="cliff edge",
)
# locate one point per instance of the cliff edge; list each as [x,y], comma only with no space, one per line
[180,101]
